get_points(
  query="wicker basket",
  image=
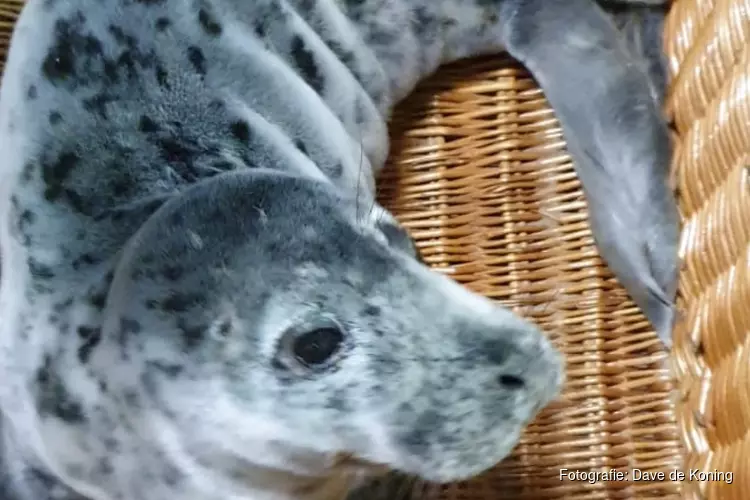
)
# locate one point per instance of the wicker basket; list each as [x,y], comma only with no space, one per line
[480,175]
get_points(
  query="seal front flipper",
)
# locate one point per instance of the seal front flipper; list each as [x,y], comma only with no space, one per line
[616,135]
[616,228]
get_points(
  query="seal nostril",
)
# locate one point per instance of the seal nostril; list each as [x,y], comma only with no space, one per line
[510,381]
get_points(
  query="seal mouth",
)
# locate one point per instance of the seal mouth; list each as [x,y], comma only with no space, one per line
[345,473]
[348,463]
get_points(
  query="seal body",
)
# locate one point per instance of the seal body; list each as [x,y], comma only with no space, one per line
[200,298]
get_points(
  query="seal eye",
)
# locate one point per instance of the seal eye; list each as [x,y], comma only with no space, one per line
[316,347]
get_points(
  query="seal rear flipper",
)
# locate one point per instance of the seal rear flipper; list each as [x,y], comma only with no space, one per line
[642,28]
[661,315]
[623,249]
[616,135]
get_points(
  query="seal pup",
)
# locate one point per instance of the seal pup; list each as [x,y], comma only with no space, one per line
[200,298]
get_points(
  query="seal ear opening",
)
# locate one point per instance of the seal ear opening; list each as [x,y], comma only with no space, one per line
[395,234]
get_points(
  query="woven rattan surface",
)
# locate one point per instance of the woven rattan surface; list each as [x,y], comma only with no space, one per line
[709,56]
[480,176]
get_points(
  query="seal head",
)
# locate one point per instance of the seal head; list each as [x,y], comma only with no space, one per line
[272,353]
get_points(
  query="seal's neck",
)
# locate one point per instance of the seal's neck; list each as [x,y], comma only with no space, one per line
[141,469]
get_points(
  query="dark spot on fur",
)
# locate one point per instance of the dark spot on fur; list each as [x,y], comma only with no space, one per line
[121,37]
[216,106]
[417,440]
[56,173]
[128,325]
[98,104]
[172,273]
[162,76]
[347,58]
[147,125]
[40,271]
[69,44]
[301,146]
[162,23]
[209,23]
[55,117]
[223,165]
[385,365]
[305,62]
[42,289]
[28,172]
[110,71]
[124,183]
[224,329]
[197,59]
[382,38]
[277,365]
[59,62]
[338,401]
[173,151]
[53,398]
[360,111]
[25,220]
[131,399]
[32,93]
[191,335]
[78,203]
[181,302]
[86,259]
[105,466]
[47,483]
[336,170]
[170,370]
[90,338]
[260,29]
[98,300]
[127,60]
[496,351]
[172,477]
[149,2]
[110,444]
[63,306]
[176,219]
[307,5]
[371,310]
[241,131]
[426,22]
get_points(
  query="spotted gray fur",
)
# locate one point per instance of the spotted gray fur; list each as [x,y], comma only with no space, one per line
[187,184]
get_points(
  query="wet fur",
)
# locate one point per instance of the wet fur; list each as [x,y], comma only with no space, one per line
[184,181]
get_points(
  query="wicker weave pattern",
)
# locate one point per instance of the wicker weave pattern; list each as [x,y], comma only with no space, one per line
[9,10]
[711,110]
[480,175]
